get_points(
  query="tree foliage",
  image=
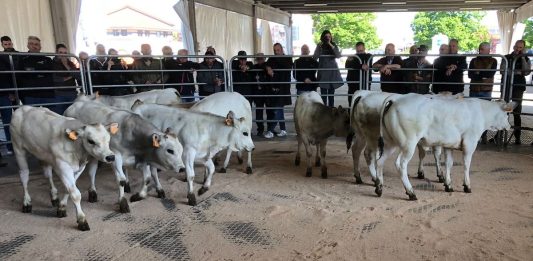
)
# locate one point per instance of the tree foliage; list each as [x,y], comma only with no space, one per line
[464,26]
[528,33]
[348,29]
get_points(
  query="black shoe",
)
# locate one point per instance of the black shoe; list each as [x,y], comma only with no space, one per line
[259,133]
[517,141]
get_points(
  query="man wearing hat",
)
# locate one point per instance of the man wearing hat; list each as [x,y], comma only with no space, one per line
[211,76]
[240,71]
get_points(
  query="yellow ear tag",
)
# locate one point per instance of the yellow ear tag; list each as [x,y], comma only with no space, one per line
[73,135]
[97,94]
[155,142]
[113,129]
[229,122]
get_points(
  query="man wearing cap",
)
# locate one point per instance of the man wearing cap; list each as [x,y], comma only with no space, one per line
[418,72]
[260,88]
[240,71]
[211,76]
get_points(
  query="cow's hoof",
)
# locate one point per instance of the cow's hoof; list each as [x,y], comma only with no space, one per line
[26,209]
[55,202]
[324,173]
[467,189]
[83,226]
[181,170]
[61,212]
[249,170]
[448,188]
[222,170]
[93,197]
[160,193]
[297,162]
[124,207]
[202,190]
[240,160]
[441,179]
[191,199]
[136,197]
[379,190]
[411,195]
[420,175]
[317,163]
[309,173]
[358,180]
[127,187]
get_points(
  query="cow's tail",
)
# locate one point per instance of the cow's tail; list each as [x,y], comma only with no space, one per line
[351,134]
[384,109]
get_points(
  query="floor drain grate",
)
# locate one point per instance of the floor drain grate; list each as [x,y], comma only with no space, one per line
[95,255]
[282,196]
[245,233]
[443,163]
[283,151]
[169,204]
[167,242]
[51,212]
[425,186]
[421,209]
[117,216]
[506,170]
[11,247]
[442,207]
[367,228]
[226,196]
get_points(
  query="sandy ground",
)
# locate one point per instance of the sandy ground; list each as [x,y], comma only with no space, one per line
[278,214]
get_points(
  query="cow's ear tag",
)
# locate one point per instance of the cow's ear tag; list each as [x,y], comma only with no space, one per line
[228,122]
[113,128]
[155,141]
[73,135]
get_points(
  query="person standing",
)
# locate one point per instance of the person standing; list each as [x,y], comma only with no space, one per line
[481,81]
[7,98]
[358,66]
[64,79]
[240,71]
[387,67]
[305,71]
[516,91]
[420,74]
[451,68]
[260,90]
[210,76]
[329,76]
[147,63]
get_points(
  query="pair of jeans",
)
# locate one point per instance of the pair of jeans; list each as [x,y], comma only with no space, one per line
[328,100]
[260,104]
[481,94]
[277,116]
[35,101]
[6,118]
[67,98]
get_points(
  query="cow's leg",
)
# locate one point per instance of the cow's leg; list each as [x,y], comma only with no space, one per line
[239,157]
[317,156]
[371,162]
[380,163]
[357,148]
[127,187]
[421,156]
[449,164]
[226,161]
[309,156]
[437,151]
[324,169]
[188,158]
[158,187]
[67,176]
[249,169]
[24,172]
[93,167]
[47,170]
[145,169]
[297,158]
[121,180]
[401,164]
[209,170]
[468,150]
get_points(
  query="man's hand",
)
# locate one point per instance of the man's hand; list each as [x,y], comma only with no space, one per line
[364,67]
[307,80]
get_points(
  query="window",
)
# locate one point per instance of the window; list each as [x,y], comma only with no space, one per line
[147,33]
[295,33]
[115,32]
[158,33]
[124,32]
[165,34]
[140,33]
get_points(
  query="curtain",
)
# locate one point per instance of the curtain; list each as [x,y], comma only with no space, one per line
[524,12]
[182,9]
[22,18]
[239,34]
[65,17]
[264,38]
[506,22]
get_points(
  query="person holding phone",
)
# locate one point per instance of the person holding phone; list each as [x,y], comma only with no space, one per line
[329,76]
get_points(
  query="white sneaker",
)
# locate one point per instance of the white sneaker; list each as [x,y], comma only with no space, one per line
[282,133]
[269,135]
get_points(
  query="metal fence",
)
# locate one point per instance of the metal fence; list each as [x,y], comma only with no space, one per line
[122,77]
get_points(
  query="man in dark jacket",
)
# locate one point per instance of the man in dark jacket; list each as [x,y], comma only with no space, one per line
[305,72]
[259,76]
[358,66]
[387,67]
[65,78]
[185,77]
[34,79]
[240,71]
[451,68]
[7,98]
[211,76]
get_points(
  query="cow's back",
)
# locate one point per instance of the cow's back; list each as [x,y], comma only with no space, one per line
[221,103]
[307,107]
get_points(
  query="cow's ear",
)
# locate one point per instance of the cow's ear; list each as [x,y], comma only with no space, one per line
[229,118]
[112,128]
[168,130]
[71,134]
[136,103]
[335,111]
[155,140]
[97,94]
[509,107]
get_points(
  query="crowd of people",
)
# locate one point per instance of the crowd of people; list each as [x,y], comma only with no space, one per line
[264,82]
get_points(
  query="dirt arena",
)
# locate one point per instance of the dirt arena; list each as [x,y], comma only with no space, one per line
[278,214]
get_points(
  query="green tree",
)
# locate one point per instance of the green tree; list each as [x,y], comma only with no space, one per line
[348,29]
[464,26]
[528,33]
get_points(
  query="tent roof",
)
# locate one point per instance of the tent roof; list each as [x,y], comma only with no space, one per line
[319,6]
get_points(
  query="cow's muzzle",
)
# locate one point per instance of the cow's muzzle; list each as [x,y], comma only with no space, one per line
[110,158]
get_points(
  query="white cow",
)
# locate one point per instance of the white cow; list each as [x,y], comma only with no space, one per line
[449,123]
[139,144]
[202,135]
[63,145]
[219,104]
[364,117]
[315,123]
[166,96]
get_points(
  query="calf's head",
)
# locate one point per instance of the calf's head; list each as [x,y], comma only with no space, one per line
[95,140]
[168,151]
[239,137]
[498,118]
[341,122]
